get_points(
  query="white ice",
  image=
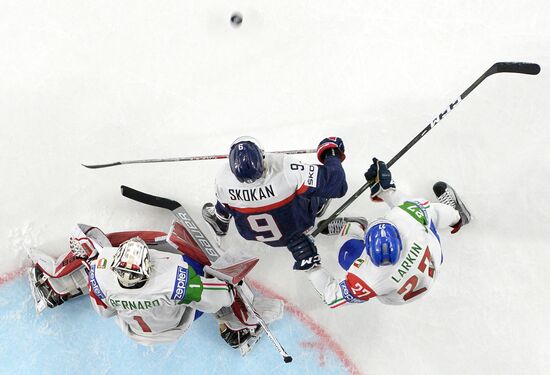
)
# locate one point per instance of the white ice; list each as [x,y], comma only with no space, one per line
[101,81]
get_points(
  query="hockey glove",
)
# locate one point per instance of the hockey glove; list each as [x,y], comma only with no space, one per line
[331,146]
[78,250]
[379,173]
[304,252]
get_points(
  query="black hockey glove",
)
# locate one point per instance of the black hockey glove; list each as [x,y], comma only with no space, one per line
[331,146]
[379,173]
[304,252]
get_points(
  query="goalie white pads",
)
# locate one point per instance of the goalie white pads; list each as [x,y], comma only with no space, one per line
[239,327]
[269,308]
[54,281]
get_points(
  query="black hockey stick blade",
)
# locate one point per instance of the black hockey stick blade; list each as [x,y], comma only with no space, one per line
[149,199]
[97,166]
[517,67]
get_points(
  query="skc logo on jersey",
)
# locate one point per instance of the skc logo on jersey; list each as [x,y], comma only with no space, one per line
[180,284]
[311,179]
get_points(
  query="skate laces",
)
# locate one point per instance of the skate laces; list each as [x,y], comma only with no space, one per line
[335,226]
[212,214]
[447,198]
[210,210]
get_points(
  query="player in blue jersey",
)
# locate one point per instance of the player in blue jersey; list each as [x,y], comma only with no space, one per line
[275,198]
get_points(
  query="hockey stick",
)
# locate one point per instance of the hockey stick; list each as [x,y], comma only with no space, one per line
[205,245]
[499,67]
[186,158]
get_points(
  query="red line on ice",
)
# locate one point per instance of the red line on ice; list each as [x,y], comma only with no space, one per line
[11,276]
[306,320]
[312,325]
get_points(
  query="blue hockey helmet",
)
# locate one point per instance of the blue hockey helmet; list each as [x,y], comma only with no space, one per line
[246,159]
[383,243]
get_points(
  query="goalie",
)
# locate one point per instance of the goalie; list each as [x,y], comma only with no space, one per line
[151,282]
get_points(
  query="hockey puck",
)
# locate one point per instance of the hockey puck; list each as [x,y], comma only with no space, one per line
[288,359]
[236,19]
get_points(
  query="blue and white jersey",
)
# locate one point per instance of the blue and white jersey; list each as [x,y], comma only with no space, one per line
[283,202]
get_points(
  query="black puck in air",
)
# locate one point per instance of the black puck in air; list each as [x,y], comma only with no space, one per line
[236,19]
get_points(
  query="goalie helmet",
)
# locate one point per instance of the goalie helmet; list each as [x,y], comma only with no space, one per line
[131,262]
[383,243]
[246,159]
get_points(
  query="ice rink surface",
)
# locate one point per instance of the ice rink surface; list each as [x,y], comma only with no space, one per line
[95,82]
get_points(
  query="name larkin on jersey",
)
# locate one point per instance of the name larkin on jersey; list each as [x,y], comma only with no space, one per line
[133,305]
[408,262]
[254,194]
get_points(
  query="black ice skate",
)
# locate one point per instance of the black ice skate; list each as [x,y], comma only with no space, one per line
[323,208]
[243,339]
[335,226]
[219,224]
[447,195]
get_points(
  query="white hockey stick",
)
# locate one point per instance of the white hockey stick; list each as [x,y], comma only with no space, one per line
[206,246]
[185,158]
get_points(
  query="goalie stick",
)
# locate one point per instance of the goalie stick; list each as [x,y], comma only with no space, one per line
[499,67]
[185,158]
[209,250]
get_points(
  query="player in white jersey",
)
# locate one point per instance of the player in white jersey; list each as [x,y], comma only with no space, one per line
[396,258]
[176,291]
[275,198]
[154,295]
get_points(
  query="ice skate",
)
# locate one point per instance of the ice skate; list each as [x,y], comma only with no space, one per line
[218,224]
[447,195]
[323,208]
[336,226]
[243,339]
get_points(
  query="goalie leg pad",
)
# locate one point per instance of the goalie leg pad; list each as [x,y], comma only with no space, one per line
[42,292]
[238,317]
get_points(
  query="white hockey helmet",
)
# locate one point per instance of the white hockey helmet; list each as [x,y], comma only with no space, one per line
[131,262]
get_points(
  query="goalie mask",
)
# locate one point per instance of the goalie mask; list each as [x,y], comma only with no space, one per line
[131,262]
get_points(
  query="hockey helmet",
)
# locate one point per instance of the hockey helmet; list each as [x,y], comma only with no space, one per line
[131,262]
[246,159]
[383,243]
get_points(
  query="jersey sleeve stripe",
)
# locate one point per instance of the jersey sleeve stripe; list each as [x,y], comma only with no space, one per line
[215,284]
[269,207]
[337,303]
